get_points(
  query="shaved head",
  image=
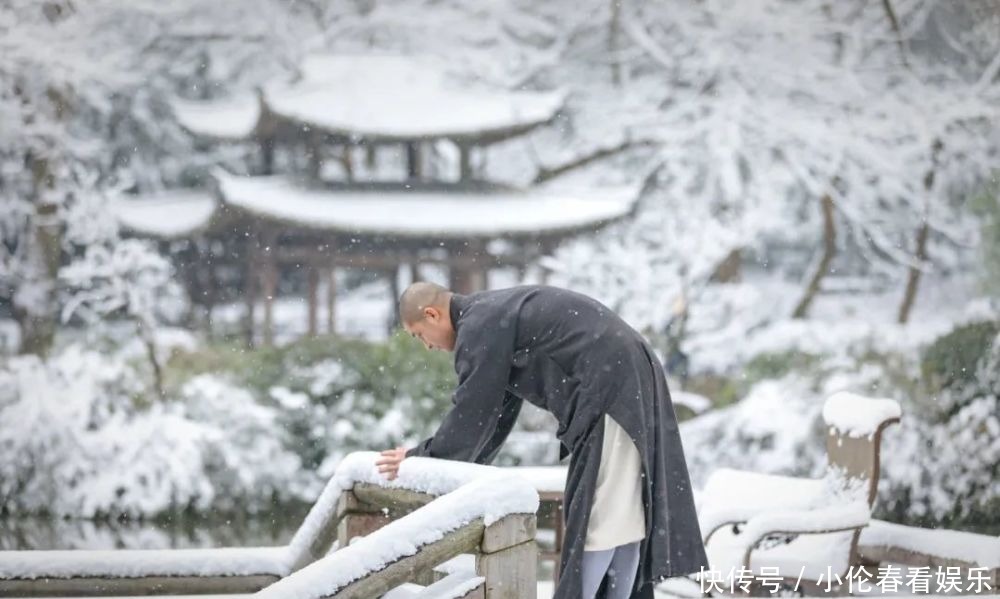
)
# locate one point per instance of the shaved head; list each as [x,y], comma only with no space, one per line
[418,297]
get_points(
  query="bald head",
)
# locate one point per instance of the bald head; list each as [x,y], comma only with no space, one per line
[419,296]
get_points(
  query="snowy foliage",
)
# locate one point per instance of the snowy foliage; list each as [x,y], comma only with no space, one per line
[88,444]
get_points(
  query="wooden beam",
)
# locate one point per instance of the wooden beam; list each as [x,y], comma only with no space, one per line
[144,585]
[397,499]
[456,542]
[509,531]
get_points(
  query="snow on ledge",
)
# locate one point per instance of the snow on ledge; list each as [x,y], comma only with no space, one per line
[858,416]
[168,214]
[421,213]
[977,549]
[474,491]
[423,475]
[139,563]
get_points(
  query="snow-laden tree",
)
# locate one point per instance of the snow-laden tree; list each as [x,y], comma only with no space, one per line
[84,107]
[129,279]
[792,124]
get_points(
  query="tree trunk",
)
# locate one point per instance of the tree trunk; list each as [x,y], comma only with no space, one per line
[36,309]
[146,334]
[823,267]
[614,43]
[913,277]
[730,269]
[920,252]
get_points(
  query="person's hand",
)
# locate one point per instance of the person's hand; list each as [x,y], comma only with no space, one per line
[389,461]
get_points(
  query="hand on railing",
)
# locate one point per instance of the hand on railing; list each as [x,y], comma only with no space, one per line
[389,461]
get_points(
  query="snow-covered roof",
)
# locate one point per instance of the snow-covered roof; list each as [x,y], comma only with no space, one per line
[387,98]
[426,213]
[168,214]
[230,119]
[858,416]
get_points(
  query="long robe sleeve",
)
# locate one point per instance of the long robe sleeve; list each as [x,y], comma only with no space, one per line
[483,412]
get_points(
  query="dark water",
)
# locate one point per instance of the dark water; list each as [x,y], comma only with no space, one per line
[166,533]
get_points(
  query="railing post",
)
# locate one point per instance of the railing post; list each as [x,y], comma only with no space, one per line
[358,519]
[508,558]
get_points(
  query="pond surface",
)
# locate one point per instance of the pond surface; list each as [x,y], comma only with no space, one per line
[168,533]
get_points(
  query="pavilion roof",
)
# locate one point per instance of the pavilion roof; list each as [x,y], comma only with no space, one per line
[433,212]
[166,215]
[377,98]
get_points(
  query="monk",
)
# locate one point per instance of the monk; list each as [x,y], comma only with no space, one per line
[629,510]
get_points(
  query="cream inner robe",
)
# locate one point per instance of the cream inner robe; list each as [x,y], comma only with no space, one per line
[616,516]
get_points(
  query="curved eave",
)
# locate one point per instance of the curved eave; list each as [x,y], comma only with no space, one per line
[361,130]
[233,120]
[168,215]
[439,216]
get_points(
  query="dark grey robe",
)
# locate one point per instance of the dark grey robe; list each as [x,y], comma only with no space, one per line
[571,355]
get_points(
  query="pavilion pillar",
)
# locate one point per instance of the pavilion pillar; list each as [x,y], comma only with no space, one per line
[269,287]
[413,166]
[314,148]
[414,271]
[466,278]
[267,155]
[269,283]
[394,291]
[250,296]
[464,162]
[331,300]
[313,285]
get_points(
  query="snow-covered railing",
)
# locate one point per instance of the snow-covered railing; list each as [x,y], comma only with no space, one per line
[883,543]
[490,513]
[481,509]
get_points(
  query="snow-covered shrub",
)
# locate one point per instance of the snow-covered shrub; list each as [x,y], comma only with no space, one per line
[946,465]
[950,361]
[776,428]
[79,439]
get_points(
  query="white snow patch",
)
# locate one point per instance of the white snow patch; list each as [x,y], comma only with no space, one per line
[858,416]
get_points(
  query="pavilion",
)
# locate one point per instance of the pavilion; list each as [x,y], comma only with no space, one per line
[362,162]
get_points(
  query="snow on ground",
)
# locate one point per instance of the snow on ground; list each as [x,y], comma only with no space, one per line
[730,324]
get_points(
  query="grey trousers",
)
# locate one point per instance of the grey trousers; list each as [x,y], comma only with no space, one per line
[619,563]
